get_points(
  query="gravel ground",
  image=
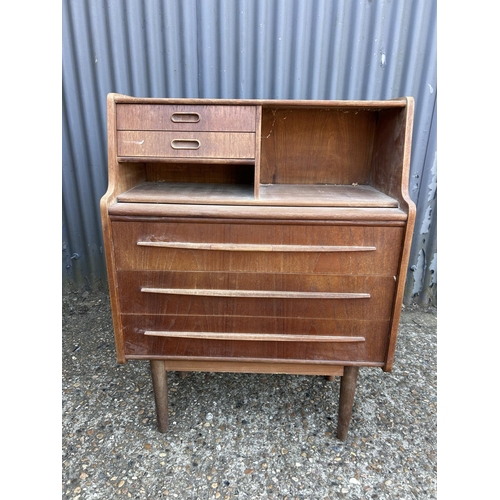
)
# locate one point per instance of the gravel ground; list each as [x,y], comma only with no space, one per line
[243,436]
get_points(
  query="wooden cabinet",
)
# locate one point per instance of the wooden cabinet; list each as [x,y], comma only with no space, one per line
[258,236]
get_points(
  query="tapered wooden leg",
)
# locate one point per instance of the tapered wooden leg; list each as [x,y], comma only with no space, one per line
[159,376]
[347,389]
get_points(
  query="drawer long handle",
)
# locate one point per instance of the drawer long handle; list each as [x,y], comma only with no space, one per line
[261,294]
[185,144]
[249,247]
[269,337]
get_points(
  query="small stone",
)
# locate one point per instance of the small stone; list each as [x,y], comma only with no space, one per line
[353,480]
[147,446]
[214,485]
[121,483]
[209,416]
[248,471]
[388,482]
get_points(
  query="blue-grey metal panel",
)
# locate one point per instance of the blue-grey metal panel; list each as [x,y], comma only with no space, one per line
[269,49]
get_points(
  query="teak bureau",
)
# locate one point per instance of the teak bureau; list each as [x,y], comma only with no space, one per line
[264,236]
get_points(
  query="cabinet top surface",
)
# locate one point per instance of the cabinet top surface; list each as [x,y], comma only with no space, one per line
[400,102]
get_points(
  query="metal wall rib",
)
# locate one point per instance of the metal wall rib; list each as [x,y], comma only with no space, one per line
[269,49]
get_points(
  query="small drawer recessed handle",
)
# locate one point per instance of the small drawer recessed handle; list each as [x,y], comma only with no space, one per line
[185,144]
[182,117]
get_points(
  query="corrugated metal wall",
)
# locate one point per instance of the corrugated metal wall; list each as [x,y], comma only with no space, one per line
[270,49]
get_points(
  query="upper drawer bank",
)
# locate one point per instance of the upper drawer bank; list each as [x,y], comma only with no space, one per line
[186,131]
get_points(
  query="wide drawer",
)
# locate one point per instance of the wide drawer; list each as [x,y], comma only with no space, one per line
[257,248]
[186,117]
[230,145]
[147,335]
[256,295]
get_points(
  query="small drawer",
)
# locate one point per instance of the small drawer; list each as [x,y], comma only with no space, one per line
[186,144]
[178,117]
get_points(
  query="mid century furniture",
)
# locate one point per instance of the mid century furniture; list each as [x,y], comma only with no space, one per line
[259,236]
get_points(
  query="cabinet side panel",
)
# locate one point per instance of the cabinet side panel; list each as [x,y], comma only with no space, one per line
[121,177]
[105,202]
[408,206]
